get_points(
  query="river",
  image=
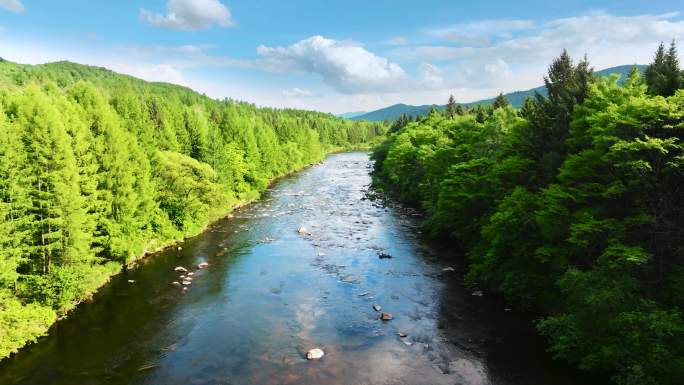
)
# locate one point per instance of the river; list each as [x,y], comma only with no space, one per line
[271,293]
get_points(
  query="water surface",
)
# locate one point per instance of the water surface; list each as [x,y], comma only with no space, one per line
[271,293]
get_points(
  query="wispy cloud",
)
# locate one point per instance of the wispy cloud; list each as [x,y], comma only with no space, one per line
[481,28]
[12,5]
[297,93]
[519,60]
[190,15]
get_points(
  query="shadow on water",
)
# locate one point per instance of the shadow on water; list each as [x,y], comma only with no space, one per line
[272,292]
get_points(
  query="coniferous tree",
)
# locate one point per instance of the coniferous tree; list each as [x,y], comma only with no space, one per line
[663,75]
[451,108]
[14,205]
[57,206]
[500,101]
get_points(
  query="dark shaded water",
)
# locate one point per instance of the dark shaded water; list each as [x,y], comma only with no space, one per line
[270,294]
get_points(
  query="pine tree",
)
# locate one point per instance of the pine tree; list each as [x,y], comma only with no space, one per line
[14,204]
[500,101]
[663,75]
[451,107]
[58,208]
[123,194]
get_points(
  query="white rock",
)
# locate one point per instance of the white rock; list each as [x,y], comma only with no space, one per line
[175,283]
[190,274]
[446,269]
[186,283]
[377,307]
[180,248]
[202,265]
[180,269]
[478,293]
[314,354]
[131,281]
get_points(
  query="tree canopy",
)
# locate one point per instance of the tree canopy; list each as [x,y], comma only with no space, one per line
[571,206]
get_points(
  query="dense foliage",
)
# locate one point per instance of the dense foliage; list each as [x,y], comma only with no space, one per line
[97,169]
[572,206]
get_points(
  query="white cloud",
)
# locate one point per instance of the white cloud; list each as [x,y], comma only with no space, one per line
[12,5]
[190,15]
[297,93]
[481,28]
[518,60]
[346,66]
[431,76]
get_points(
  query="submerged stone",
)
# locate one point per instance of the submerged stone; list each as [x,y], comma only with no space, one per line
[314,354]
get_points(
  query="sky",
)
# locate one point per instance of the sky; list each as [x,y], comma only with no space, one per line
[338,56]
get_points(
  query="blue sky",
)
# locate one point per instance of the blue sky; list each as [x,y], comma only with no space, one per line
[337,56]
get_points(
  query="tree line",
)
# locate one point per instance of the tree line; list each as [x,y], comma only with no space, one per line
[571,206]
[97,169]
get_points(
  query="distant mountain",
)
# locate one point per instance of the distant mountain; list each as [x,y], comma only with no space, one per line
[516,99]
[350,115]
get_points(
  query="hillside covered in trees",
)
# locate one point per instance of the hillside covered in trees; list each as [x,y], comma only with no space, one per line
[516,99]
[97,169]
[572,206]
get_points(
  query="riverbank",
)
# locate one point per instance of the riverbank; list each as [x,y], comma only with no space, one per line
[42,320]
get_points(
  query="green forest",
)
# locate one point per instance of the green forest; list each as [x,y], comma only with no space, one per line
[98,169]
[570,207]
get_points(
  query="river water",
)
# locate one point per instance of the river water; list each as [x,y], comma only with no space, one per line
[271,293]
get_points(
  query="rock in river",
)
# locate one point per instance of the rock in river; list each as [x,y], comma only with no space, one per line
[314,354]
[180,269]
[386,316]
[376,307]
[202,265]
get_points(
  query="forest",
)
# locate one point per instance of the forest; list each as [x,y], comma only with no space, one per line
[97,169]
[571,207]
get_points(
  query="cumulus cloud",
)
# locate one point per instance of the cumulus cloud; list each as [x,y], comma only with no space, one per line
[190,15]
[12,5]
[346,66]
[297,93]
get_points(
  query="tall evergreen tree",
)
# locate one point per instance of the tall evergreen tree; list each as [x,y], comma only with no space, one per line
[451,107]
[663,75]
[58,208]
[500,101]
